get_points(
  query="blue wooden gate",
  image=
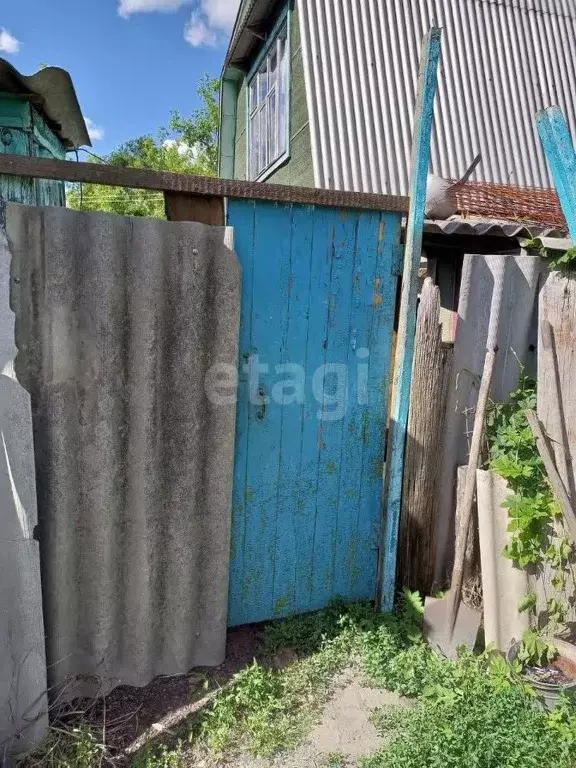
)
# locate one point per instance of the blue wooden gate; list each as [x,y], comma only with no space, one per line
[319,294]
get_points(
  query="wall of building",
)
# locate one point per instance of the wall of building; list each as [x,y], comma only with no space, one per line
[25,132]
[502,61]
[298,169]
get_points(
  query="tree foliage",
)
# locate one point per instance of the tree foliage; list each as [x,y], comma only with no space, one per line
[187,145]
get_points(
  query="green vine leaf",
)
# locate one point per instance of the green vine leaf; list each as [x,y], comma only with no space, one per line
[528,603]
[532,508]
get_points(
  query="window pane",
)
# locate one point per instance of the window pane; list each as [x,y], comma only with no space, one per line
[263,82]
[273,125]
[263,140]
[268,105]
[283,96]
[254,140]
[272,68]
[253,94]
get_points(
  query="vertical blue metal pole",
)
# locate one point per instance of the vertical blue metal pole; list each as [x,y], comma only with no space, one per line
[559,149]
[427,84]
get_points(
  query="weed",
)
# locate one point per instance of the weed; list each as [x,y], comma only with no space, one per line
[476,714]
[534,515]
[557,260]
[159,757]
[269,710]
[76,747]
[335,760]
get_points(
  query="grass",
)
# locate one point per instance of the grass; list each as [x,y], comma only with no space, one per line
[335,760]
[472,712]
[77,747]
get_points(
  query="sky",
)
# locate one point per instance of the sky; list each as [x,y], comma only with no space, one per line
[132,61]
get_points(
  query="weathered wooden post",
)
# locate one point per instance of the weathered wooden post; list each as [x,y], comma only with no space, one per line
[37,119]
[394,472]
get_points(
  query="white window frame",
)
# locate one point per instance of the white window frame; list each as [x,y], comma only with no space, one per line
[274,157]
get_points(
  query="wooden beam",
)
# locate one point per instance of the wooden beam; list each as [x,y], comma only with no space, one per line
[559,149]
[432,364]
[393,480]
[203,186]
[206,210]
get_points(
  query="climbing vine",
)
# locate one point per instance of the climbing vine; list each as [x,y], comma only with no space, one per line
[556,260]
[538,540]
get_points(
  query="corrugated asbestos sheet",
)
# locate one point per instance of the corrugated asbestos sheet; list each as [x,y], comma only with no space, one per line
[23,701]
[118,322]
[502,62]
[517,339]
[51,90]
[490,228]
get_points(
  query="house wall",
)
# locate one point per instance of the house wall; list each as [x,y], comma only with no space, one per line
[502,61]
[298,169]
[25,132]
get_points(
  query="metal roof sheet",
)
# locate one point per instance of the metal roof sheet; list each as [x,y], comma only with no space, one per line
[51,90]
[459,225]
[503,60]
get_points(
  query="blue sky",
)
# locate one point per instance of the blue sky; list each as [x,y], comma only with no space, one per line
[132,61]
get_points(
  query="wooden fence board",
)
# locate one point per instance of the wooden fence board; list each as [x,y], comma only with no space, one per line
[423,448]
[557,373]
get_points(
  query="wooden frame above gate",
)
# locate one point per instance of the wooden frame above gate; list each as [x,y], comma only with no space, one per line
[195,198]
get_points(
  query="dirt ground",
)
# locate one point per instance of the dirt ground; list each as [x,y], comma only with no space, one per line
[344,733]
[134,717]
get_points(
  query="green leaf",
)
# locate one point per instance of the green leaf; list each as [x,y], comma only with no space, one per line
[528,603]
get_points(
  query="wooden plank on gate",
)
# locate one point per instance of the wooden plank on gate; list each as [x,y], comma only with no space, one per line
[427,83]
[318,307]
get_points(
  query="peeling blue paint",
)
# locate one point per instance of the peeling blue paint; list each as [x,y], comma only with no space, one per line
[310,277]
[559,149]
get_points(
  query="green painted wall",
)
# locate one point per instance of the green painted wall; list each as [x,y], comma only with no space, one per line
[298,169]
[241,143]
[23,131]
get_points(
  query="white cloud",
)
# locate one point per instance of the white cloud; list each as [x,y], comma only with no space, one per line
[128,7]
[198,33]
[8,43]
[211,22]
[209,25]
[96,132]
[221,13]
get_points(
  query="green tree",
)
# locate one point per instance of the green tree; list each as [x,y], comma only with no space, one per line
[187,145]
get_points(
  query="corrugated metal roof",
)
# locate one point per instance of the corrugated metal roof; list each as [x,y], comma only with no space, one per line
[491,228]
[502,62]
[560,7]
[52,91]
